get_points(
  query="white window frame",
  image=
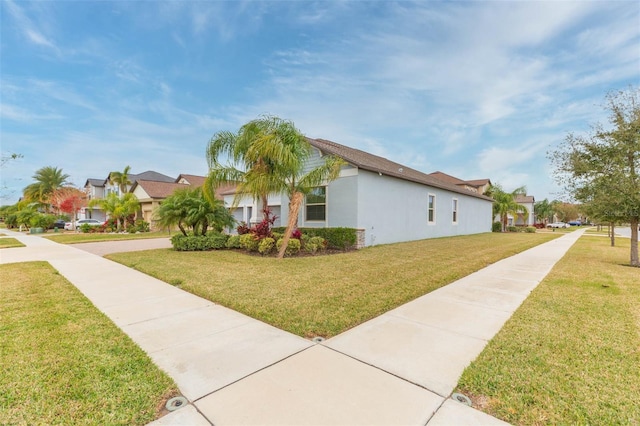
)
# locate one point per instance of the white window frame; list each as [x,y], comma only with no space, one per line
[325,204]
[431,209]
[454,210]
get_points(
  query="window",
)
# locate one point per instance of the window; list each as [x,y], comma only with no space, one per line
[432,209]
[454,209]
[316,204]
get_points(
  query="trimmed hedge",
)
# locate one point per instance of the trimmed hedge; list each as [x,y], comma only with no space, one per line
[212,241]
[337,238]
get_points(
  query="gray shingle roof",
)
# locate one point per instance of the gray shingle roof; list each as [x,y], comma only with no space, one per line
[374,163]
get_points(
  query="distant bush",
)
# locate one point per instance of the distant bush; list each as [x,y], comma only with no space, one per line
[211,241]
[530,229]
[512,229]
[496,227]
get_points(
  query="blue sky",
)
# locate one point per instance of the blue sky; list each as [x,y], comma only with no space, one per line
[473,89]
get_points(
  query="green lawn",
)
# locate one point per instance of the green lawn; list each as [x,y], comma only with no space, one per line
[64,362]
[325,295]
[571,353]
[79,237]
[10,242]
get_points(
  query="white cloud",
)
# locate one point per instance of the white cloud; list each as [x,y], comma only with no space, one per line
[28,28]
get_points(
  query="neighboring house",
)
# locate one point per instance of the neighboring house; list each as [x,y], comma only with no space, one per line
[529,202]
[94,189]
[101,188]
[150,194]
[529,219]
[386,201]
[478,185]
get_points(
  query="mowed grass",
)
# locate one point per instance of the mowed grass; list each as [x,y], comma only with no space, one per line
[325,295]
[80,237]
[9,243]
[571,353]
[64,362]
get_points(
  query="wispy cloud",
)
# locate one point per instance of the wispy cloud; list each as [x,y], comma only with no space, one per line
[29,29]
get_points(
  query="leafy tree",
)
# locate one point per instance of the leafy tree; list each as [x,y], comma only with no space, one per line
[118,208]
[68,199]
[121,179]
[504,203]
[565,211]
[47,180]
[600,169]
[190,209]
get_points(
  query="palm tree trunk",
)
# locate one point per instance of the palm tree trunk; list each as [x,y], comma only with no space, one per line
[294,208]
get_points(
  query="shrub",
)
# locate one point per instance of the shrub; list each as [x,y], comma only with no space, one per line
[337,238]
[243,228]
[277,235]
[234,242]
[530,229]
[512,229]
[266,246]
[248,242]
[315,244]
[85,228]
[292,248]
[40,220]
[211,241]
[496,227]
[139,226]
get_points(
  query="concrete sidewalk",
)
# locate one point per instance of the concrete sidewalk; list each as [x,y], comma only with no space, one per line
[399,368]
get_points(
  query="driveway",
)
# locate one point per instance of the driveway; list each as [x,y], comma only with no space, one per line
[107,247]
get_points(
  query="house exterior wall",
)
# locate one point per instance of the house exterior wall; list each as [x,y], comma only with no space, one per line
[394,210]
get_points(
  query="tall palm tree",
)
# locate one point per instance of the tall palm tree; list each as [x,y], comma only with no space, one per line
[504,203]
[287,150]
[47,180]
[121,179]
[119,208]
[543,211]
[235,148]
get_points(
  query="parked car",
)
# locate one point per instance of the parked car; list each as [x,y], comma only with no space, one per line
[91,222]
[58,224]
[558,225]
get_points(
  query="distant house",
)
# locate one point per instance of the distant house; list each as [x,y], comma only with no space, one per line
[521,219]
[101,188]
[386,201]
[151,193]
[528,219]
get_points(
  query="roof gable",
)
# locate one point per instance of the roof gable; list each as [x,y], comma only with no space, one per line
[156,189]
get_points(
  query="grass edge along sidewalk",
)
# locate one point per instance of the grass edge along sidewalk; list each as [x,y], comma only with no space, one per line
[64,362]
[326,295]
[571,353]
